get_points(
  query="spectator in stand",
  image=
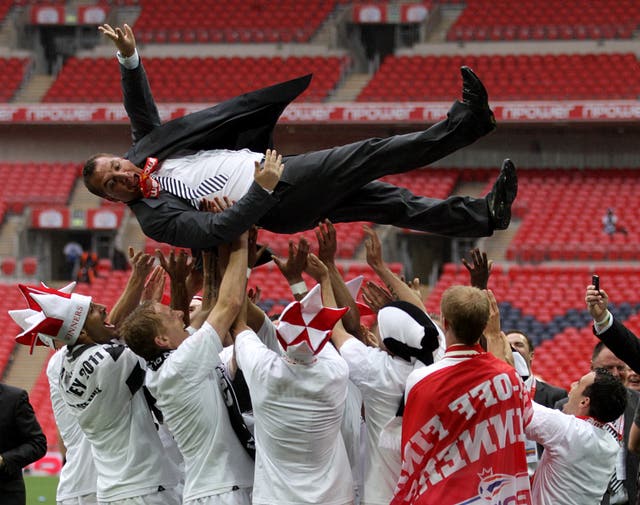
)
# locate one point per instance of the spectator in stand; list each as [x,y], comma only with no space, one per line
[580,452]
[21,442]
[456,409]
[338,183]
[299,400]
[191,386]
[610,224]
[101,382]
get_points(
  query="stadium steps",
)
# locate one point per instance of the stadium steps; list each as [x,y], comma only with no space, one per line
[81,198]
[9,235]
[132,235]
[350,88]
[34,89]
[447,16]
[25,368]
[496,246]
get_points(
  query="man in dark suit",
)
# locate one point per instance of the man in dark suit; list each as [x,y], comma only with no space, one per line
[338,183]
[545,394]
[623,343]
[21,443]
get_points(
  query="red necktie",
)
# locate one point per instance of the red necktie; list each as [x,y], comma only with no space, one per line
[148,185]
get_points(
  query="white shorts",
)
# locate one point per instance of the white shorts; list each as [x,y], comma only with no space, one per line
[166,497]
[87,499]
[238,497]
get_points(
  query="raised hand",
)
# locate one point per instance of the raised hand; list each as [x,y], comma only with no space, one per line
[479,269]
[374,249]
[375,296]
[295,263]
[154,288]
[123,38]
[316,268]
[327,242]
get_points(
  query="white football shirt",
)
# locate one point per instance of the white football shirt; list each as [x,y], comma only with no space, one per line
[578,461]
[187,392]
[102,386]
[381,379]
[78,475]
[298,409]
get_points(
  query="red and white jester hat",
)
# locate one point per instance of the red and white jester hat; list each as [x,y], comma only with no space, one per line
[305,326]
[52,313]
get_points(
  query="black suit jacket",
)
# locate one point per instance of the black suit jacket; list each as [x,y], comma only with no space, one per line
[21,442]
[548,395]
[246,121]
[623,343]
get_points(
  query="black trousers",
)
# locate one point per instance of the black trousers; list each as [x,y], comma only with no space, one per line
[340,183]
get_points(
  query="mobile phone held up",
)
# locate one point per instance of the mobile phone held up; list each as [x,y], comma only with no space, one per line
[595,280]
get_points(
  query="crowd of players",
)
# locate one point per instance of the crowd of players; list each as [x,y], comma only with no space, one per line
[207,401]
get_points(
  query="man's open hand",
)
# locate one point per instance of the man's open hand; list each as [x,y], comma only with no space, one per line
[268,175]
[122,37]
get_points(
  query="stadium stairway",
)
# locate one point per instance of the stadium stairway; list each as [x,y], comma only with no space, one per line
[25,368]
[350,88]
[34,89]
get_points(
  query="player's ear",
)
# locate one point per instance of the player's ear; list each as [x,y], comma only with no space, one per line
[162,341]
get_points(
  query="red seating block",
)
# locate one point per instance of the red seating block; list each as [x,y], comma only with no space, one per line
[508,77]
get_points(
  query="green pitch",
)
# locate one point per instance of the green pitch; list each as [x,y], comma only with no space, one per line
[41,490]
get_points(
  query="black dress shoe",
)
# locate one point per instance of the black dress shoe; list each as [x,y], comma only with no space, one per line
[474,94]
[502,195]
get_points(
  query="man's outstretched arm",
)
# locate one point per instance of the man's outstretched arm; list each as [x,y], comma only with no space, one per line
[137,97]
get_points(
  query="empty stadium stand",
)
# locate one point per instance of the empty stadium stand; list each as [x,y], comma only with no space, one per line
[12,72]
[195,79]
[507,77]
[548,20]
[202,21]
[555,227]
[36,183]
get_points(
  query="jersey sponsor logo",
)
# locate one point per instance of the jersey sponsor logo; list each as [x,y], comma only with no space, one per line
[500,489]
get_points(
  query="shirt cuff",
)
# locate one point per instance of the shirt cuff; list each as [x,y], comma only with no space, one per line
[129,62]
[600,328]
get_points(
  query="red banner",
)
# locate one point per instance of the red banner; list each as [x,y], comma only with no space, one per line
[342,113]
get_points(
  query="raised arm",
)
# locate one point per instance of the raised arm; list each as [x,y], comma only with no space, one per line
[617,337]
[327,247]
[141,267]
[178,267]
[138,99]
[395,284]
[497,343]
[293,266]
[232,288]
[319,271]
